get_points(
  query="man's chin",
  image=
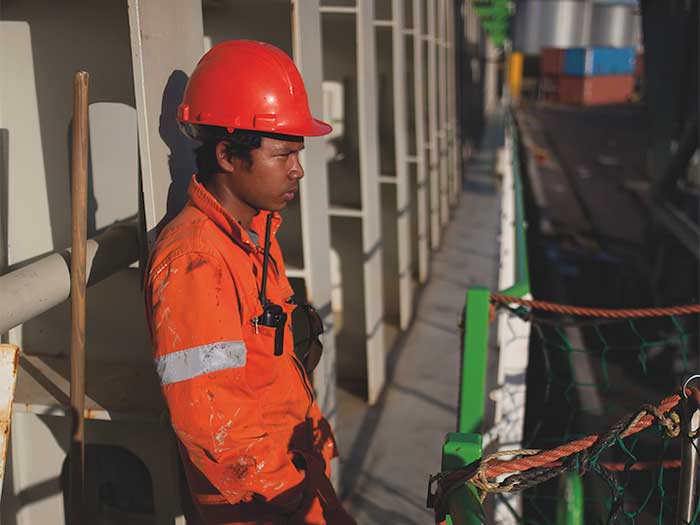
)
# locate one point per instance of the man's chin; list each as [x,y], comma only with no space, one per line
[274,207]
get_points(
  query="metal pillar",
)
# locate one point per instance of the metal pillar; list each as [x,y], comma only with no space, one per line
[434,162]
[442,112]
[421,160]
[167,40]
[454,141]
[402,179]
[315,228]
[369,175]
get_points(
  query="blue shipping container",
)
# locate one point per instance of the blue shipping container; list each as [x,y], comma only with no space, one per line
[595,61]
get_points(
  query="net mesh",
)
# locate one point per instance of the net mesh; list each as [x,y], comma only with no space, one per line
[585,375]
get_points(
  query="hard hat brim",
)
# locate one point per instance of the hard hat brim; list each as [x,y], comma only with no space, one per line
[315,128]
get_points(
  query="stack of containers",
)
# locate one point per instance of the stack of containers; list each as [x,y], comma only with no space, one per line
[551,70]
[597,75]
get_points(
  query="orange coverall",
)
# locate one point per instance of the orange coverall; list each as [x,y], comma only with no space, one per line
[243,416]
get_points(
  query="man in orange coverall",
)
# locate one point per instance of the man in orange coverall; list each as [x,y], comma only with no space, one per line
[255,447]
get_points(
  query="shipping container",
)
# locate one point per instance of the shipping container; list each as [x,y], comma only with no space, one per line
[639,65]
[552,61]
[549,88]
[589,91]
[594,61]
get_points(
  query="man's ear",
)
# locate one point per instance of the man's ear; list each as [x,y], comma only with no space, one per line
[226,162]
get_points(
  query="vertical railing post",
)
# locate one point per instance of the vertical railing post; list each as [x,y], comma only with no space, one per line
[464,446]
[461,450]
[473,378]
[688,485]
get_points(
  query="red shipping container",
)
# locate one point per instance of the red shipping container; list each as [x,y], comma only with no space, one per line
[552,61]
[589,91]
[549,88]
[639,65]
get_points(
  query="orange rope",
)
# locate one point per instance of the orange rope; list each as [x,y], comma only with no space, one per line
[639,465]
[598,312]
[548,457]
[643,465]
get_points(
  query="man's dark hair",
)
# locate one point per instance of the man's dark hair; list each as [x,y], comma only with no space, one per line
[239,144]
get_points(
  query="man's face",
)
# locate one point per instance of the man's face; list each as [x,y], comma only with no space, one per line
[272,180]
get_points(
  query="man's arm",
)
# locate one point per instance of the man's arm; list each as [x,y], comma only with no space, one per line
[200,356]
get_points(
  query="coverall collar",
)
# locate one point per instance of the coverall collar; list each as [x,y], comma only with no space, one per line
[207,204]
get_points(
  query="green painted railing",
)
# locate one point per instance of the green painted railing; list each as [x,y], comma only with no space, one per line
[464,446]
[570,503]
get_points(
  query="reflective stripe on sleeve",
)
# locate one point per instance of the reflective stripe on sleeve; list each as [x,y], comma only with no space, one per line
[200,360]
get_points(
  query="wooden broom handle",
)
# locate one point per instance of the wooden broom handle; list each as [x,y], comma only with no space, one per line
[78,270]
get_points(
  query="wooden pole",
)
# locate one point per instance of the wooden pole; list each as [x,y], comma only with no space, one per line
[78,285]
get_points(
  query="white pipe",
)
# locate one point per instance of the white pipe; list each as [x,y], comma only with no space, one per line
[32,290]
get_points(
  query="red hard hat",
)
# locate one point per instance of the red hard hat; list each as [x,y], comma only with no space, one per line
[243,84]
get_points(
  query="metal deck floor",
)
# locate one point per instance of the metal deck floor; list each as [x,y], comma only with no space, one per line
[389,450]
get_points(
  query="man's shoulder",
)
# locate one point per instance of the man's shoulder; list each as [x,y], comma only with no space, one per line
[190,232]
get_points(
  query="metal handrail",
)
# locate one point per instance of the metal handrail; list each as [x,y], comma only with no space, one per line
[522,268]
[33,289]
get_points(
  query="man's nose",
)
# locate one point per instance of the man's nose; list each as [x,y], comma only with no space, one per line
[297,171]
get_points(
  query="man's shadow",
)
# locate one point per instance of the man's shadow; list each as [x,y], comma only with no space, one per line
[181,161]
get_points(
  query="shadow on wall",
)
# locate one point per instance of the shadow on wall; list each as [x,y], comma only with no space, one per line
[181,161]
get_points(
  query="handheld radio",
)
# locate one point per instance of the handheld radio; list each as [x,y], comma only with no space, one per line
[272,315]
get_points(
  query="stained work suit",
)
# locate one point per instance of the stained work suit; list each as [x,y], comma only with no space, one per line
[254,444]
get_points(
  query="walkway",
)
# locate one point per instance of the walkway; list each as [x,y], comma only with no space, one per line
[388,451]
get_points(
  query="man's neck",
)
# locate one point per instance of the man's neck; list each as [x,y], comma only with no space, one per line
[234,205]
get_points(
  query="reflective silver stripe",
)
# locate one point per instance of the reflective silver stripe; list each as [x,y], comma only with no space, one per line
[200,360]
